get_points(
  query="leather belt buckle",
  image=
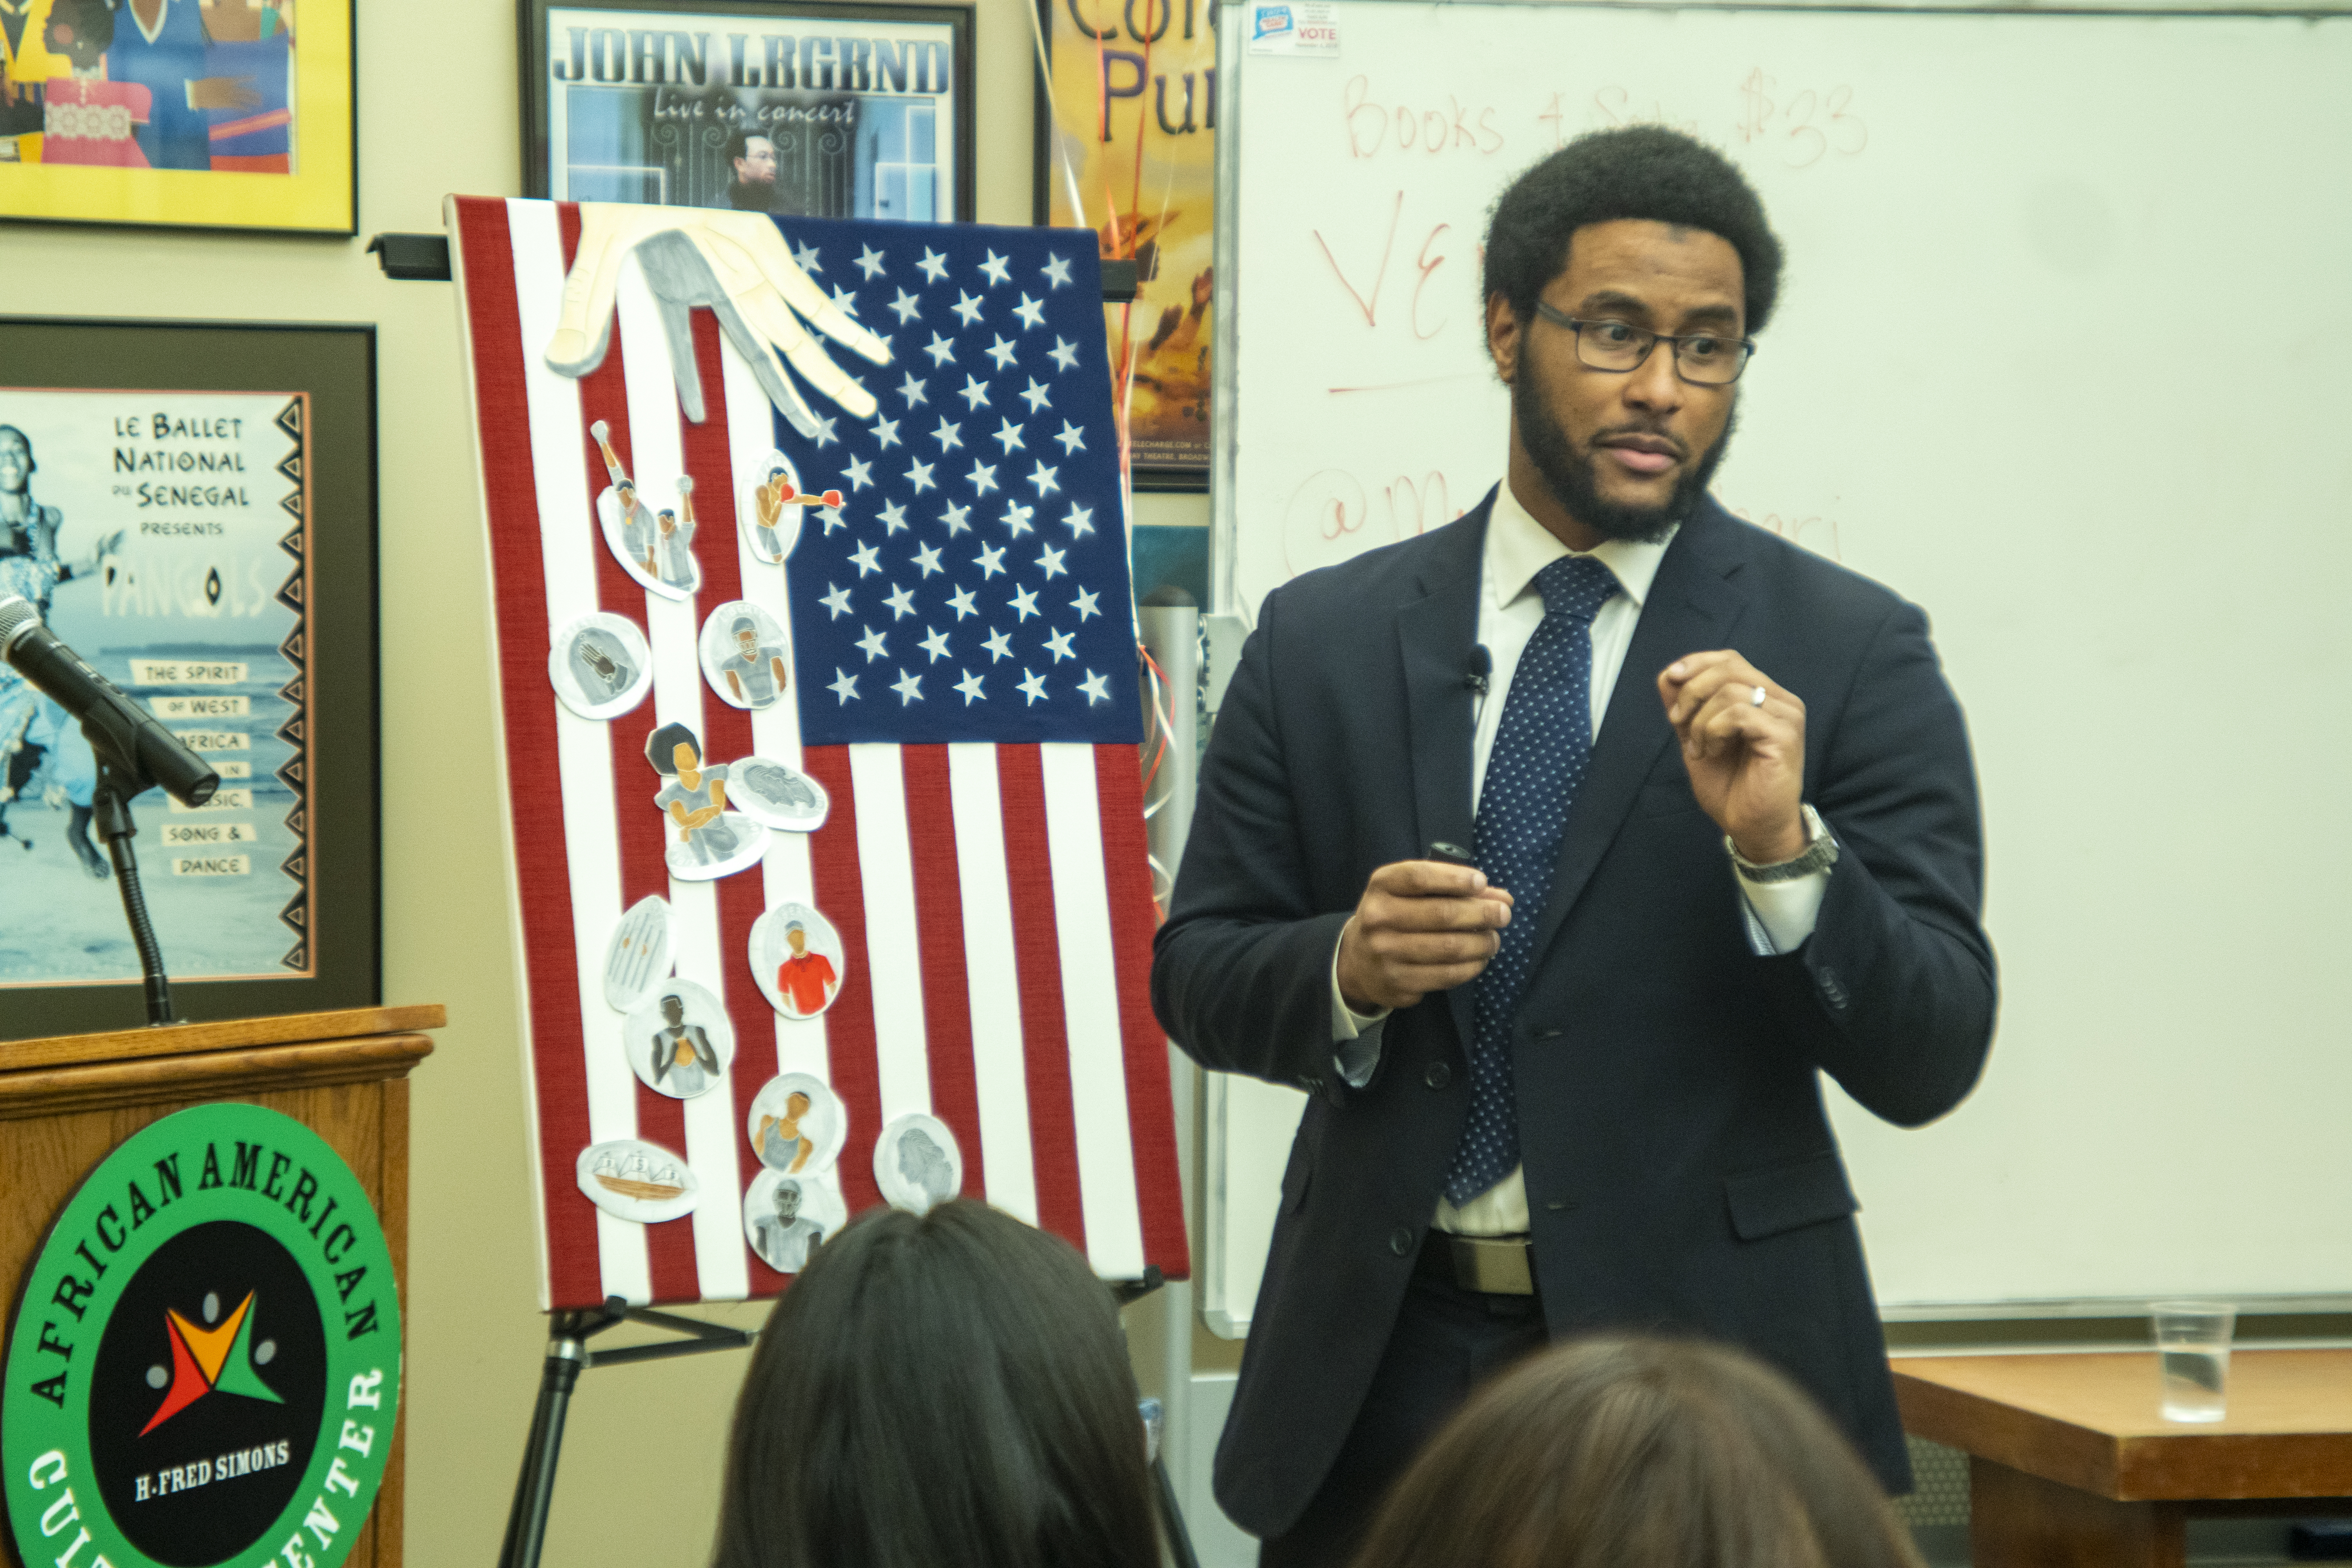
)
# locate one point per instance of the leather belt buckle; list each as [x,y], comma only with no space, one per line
[1492,1265]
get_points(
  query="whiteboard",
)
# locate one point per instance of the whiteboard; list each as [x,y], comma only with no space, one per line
[1981,388]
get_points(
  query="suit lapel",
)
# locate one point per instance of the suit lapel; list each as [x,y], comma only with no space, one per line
[1434,634]
[1692,606]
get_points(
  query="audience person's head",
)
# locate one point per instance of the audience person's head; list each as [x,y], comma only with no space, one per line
[1632,1453]
[949,1387]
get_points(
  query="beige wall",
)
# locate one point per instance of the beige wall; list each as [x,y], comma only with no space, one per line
[438,114]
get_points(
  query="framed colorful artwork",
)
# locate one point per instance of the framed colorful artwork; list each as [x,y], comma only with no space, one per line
[807,110]
[1126,147]
[191,508]
[231,115]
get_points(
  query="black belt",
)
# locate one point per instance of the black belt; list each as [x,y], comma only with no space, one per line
[1496,1265]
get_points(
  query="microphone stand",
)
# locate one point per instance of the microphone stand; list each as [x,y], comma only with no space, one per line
[117,782]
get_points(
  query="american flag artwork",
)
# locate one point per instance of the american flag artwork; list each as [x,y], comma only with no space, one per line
[962,684]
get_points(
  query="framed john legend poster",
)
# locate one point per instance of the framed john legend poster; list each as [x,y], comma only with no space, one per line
[191,509]
[806,109]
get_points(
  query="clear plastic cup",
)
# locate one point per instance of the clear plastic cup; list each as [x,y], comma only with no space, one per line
[2192,1357]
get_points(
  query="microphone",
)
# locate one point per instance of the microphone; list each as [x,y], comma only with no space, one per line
[119,731]
[1481,666]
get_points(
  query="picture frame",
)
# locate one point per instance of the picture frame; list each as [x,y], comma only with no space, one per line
[220,567]
[1121,124]
[194,114]
[869,109]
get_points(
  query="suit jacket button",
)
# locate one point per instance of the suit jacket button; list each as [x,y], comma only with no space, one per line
[1401,1241]
[1832,989]
[1438,1076]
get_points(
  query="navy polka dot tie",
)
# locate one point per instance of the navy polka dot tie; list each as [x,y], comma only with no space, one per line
[1538,760]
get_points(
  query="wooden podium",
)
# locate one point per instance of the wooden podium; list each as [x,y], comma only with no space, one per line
[67,1102]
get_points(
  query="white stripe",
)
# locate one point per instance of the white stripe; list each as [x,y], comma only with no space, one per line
[1090,1005]
[568,543]
[894,949]
[993,980]
[786,876]
[712,1127]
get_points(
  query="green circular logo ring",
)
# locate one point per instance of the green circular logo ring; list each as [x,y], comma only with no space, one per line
[204,1367]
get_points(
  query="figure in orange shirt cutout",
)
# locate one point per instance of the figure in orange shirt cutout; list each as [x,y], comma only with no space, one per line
[805,978]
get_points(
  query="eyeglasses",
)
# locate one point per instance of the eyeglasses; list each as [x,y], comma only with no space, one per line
[1703,359]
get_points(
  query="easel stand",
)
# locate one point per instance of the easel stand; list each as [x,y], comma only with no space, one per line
[568,1356]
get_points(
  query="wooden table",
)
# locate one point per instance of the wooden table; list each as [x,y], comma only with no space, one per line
[2070,1466]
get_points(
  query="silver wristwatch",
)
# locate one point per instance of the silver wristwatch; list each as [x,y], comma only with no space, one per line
[1821,853]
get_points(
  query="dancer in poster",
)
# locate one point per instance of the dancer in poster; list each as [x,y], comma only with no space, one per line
[34,729]
[24,68]
[252,42]
[160,45]
[86,119]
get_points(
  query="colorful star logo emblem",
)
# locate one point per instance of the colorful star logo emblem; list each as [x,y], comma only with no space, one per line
[203,1359]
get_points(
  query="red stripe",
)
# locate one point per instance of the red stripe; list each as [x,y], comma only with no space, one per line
[1037,954]
[542,863]
[854,1066]
[938,929]
[1151,1114]
[661,1119]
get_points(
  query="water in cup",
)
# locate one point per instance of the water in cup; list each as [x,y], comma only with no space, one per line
[2195,1380]
[2192,1354]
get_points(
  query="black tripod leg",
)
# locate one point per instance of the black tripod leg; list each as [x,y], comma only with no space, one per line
[527,1521]
[1172,1518]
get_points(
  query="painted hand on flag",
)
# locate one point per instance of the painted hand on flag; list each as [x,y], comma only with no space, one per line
[737,264]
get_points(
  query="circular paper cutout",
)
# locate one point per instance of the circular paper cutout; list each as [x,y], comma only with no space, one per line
[679,1044]
[798,960]
[797,1124]
[777,794]
[745,655]
[600,666]
[917,1163]
[629,1178]
[704,839]
[653,538]
[638,957]
[787,1217]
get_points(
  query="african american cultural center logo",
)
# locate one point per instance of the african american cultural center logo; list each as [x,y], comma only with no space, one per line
[204,1367]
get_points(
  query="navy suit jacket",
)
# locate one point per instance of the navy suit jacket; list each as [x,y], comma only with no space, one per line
[1680,1171]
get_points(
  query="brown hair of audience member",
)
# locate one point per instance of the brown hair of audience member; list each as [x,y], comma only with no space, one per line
[947,1387]
[1633,1453]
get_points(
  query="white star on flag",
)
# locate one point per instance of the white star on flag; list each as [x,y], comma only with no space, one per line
[1039,398]
[874,644]
[935,643]
[999,646]
[1032,685]
[994,267]
[901,601]
[1004,353]
[927,558]
[837,601]
[1065,355]
[990,560]
[1049,560]
[894,518]
[1093,687]
[1071,438]
[807,256]
[911,390]
[1030,311]
[969,687]
[1043,478]
[1008,436]
[860,472]
[867,559]
[975,392]
[1058,645]
[963,602]
[907,306]
[1085,604]
[909,687]
[1016,517]
[970,308]
[1057,271]
[842,685]
[886,432]
[983,478]
[1081,520]
[1025,601]
[934,266]
[954,517]
[869,261]
[941,350]
[919,476]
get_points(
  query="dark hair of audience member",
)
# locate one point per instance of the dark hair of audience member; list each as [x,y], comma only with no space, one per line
[1631,1453]
[944,1388]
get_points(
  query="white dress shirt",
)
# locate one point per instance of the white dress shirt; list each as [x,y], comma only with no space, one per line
[1779,915]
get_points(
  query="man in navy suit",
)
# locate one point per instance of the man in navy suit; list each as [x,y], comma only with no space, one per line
[1562,1052]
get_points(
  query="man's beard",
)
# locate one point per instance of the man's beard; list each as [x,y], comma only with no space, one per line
[1570,475]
